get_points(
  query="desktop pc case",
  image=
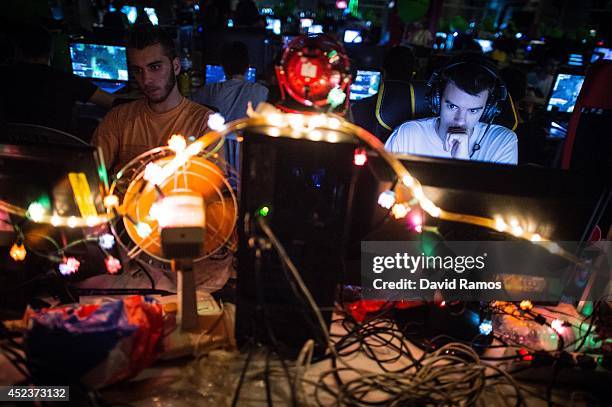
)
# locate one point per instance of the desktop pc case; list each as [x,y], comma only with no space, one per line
[306,187]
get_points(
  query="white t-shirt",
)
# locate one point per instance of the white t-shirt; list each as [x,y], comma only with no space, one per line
[419,137]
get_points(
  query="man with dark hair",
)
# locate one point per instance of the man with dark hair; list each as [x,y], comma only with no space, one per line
[461,94]
[133,128]
[36,93]
[232,96]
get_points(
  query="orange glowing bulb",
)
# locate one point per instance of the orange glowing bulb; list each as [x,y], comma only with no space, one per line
[18,252]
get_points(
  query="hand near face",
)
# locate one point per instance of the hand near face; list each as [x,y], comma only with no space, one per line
[457,143]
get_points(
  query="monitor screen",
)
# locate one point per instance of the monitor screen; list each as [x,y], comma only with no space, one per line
[486,45]
[565,92]
[601,53]
[366,84]
[306,22]
[274,25]
[287,39]
[352,37]
[315,29]
[215,74]
[99,61]
[575,60]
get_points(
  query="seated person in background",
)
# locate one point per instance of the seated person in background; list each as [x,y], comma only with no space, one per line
[133,128]
[542,77]
[232,96]
[35,93]
[465,96]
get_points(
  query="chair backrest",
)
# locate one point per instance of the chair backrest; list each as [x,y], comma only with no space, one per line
[588,144]
[24,133]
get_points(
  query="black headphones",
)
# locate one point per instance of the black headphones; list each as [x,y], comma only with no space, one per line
[438,80]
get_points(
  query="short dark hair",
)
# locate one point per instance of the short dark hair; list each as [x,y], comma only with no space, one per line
[146,35]
[235,58]
[34,41]
[470,75]
[399,63]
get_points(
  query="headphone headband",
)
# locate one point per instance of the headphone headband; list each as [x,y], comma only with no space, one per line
[496,96]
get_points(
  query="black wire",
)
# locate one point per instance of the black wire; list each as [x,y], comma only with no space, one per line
[144,270]
[242,375]
[267,379]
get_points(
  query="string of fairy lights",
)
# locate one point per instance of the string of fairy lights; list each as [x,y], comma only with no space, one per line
[401,200]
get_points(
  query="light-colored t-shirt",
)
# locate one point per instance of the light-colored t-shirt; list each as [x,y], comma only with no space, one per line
[419,137]
[133,128]
[231,97]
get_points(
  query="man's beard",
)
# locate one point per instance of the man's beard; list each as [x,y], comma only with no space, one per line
[170,82]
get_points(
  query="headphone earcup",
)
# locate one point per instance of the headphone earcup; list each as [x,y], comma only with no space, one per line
[432,95]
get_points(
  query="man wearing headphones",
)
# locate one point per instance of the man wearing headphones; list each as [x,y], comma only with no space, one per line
[465,96]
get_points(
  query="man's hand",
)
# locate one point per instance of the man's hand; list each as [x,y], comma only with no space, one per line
[457,143]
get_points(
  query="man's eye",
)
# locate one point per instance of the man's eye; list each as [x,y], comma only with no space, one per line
[474,111]
[451,106]
[155,67]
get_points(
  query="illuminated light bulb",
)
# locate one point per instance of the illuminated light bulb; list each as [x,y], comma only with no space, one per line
[153,173]
[526,305]
[264,211]
[418,193]
[69,266]
[332,138]
[360,157]
[36,211]
[216,122]
[154,211]
[317,121]
[56,220]
[18,252]
[106,241]
[514,223]
[333,123]
[558,326]
[408,180]
[274,132]
[315,135]
[112,264]
[336,97]
[416,221]
[500,225]
[110,201]
[91,221]
[386,199]
[400,210]
[431,208]
[143,229]
[517,231]
[296,121]
[536,238]
[275,119]
[72,222]
[177,143]
[485,327]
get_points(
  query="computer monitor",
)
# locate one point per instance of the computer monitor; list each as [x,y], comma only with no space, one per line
[274,25]
[565,92]
[365,84]
[105,64]
[306,22]
[216,74]
[601,53]
[315,29]
[352,37]
[486,45]
[287,39]
[575,60]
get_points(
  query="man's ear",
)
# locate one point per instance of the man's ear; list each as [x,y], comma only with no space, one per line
[176,65]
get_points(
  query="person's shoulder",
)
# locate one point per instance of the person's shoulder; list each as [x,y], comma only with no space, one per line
[196,108]
[416,125]
[502,133]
